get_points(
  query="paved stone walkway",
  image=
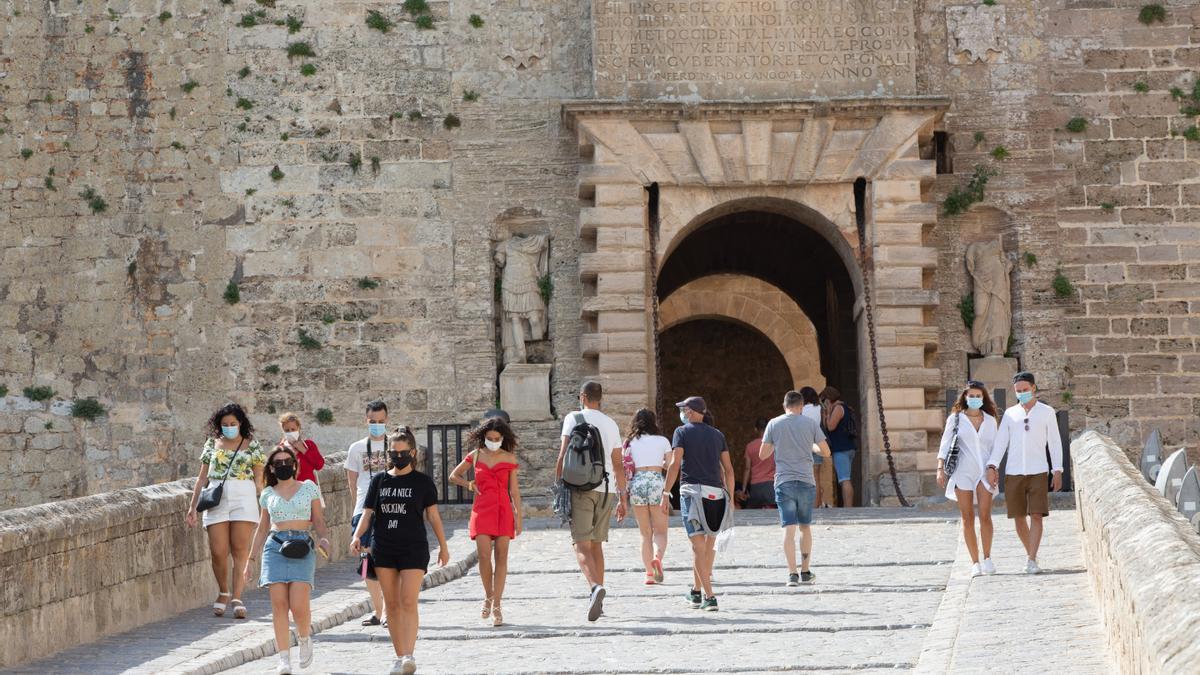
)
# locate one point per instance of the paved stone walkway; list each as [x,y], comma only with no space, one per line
[882,585]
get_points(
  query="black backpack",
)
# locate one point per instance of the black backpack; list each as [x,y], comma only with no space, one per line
[584,467]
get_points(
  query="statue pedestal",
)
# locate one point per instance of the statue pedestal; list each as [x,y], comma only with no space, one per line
[994,371]
[525,391]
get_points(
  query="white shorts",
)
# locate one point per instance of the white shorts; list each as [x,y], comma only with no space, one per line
[239,502]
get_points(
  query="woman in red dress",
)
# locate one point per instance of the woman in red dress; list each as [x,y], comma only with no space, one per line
[496,512]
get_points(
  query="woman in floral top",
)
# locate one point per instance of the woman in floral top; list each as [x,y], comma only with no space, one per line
[230,456]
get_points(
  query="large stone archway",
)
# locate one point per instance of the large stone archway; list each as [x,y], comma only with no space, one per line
[757,304]
[793,158]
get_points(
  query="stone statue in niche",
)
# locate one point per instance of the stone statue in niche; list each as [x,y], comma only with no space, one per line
[990,270]
[523,260]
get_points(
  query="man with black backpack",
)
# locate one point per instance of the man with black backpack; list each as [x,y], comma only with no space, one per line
[591,447]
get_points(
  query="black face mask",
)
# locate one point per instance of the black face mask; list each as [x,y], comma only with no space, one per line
[284,472]
[400,460]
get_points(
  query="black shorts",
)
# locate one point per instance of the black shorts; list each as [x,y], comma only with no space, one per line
[408,558]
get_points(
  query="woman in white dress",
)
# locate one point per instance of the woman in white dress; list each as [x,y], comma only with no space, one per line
[972,427]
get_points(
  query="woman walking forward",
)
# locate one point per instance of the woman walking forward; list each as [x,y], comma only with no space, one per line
[971,427]
[496,512]
[398,503]
[649,452]
[230,456]
[290,508]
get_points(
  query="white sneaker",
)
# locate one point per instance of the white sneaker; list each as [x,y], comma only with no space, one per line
[397,667]
[285,664]
[1031,567]
[988,567]
[306,652]
[408,665]
[975,571]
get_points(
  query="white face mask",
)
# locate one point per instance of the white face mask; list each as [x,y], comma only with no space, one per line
[292,435]
[492,445]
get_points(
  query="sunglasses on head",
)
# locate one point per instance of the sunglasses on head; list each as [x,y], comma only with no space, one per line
[976,384]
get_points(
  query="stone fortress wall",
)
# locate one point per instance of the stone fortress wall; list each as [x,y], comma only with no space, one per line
[141,141]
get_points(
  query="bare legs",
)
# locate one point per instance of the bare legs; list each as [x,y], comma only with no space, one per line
[704,551]
[966,511]
[985,519]
[492,575]
[590,555]
[225,539]
[401,588]
[847,494]
[652,523]
[1030,533]
[377,598]
[789,547]
[292,597]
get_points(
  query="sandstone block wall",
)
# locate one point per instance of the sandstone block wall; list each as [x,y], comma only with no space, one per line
[1143,559]
[79,569]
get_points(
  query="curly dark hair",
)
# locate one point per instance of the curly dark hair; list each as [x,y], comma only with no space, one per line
[508,441]
[644,423]
[214,422]
[272,481]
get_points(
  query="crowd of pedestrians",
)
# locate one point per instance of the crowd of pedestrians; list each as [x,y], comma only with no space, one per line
[261,506]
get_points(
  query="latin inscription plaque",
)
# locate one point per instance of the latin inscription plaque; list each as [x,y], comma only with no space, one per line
[752,49]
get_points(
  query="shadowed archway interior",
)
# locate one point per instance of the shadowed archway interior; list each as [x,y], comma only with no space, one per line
[794,258]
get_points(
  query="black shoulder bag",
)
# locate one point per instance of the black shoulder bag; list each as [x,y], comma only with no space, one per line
[210,496]
[952,457]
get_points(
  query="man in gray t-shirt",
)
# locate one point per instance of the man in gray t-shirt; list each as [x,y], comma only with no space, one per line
[793,438]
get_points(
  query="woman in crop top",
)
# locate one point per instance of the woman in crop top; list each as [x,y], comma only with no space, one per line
[648,450]
[289,509]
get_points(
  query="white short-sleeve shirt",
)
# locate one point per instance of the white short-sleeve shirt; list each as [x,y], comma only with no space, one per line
[609,433]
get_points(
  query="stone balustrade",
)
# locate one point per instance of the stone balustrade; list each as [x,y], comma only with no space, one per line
[80,569]
[1143,559]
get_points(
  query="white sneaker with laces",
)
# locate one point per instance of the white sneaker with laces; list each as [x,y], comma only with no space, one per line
[397,667]
[1031,567]
[285,664]
[306,652]
[408,665]
[988,567]
[975,571]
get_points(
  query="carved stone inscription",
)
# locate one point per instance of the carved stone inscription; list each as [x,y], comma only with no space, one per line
[753,49]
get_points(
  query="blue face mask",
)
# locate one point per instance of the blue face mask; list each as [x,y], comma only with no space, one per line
[683,418]
[230,432]
[377,429]
[1024,397]
[974,402]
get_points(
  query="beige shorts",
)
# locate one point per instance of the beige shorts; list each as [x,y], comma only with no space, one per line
[1027,495]
[591,512]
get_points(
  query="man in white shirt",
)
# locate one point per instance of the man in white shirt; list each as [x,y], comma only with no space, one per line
[1026,430]
[365,458]
[591,510]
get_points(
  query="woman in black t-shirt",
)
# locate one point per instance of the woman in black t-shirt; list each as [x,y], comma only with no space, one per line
[398,503]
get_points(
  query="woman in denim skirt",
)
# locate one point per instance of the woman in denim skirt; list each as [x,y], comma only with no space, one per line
[289,509]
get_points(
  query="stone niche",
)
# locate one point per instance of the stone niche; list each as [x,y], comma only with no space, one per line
[753,49]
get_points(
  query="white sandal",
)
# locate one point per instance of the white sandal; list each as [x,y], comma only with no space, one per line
[239,610]
[219,607]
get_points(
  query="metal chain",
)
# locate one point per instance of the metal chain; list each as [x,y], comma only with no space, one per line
[867,307]
[652,226]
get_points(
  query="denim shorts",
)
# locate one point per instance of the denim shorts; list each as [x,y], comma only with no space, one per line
[714,513]
[795,501]
[843,464]
[280,569]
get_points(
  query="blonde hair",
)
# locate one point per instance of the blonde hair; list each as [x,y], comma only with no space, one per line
[289,417]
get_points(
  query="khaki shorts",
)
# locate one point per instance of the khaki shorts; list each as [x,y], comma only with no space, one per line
[1027,495]
[590,515]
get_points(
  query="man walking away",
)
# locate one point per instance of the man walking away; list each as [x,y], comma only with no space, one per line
[791,438]
[1025,432]
[594,443]
[700,459]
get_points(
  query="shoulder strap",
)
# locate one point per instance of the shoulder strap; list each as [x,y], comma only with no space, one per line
[580,418]
[231,460]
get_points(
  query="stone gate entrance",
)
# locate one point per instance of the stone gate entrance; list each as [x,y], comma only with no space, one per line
[697,175]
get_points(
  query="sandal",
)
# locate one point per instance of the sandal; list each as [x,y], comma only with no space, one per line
[218,606]
[487,608]
[239,610]
[497,617]
[649,580]
[656,566]
[371,621]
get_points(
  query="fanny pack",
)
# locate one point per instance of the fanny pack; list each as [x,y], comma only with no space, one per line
[294,548]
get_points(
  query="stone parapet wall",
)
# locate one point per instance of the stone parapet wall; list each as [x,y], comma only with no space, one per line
[80,569]
[1143,559]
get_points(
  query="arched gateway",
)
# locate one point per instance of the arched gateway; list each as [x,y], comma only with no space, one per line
[765,191]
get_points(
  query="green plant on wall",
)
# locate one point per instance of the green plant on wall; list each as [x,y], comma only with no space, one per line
[367,283]
[324,416]
[94,201]
[38,393]
[307,341]
[966,310]
[451,121]
[545,287]
[302,49]
[1062,286]
[3,390]
[1030,259]
[1076,125]
[476,21]
[961,199]
[1151,13]
[232,294]
[1000,152]
[276,173]
[87,409]
[379,22]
